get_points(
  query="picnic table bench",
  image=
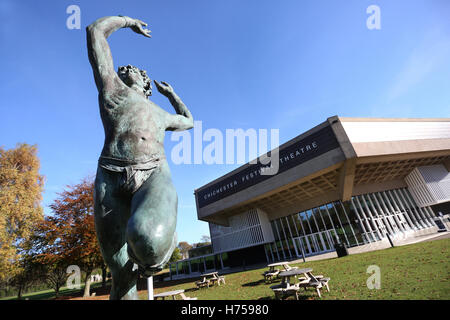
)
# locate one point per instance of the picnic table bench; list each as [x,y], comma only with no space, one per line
[210,278]
[273,272]
[308,280]
[173,294]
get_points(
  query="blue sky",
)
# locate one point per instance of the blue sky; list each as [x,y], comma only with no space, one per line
[284,65]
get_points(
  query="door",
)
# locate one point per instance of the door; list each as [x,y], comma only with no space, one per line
[401,219]
[393,224]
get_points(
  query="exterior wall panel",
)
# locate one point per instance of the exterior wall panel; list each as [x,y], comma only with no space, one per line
[429,185]
[246,229]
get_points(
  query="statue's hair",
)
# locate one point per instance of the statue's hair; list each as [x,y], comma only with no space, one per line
[147,81]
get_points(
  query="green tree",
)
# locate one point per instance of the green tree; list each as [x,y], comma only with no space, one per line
[205,239]
[176,255]
[31,272]
[21,188]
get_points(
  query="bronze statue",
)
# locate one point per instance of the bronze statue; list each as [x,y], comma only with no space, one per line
[135,200]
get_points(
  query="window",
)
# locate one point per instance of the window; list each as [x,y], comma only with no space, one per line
[310,222]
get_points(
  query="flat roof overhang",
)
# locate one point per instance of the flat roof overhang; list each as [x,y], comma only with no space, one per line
[350,167]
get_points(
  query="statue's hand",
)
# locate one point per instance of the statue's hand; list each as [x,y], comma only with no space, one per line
[138,27]
[164,88]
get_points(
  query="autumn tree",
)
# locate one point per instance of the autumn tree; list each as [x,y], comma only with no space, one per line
[21,188]
[68,236]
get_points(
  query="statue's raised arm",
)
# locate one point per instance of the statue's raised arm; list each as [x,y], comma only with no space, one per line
[98,49]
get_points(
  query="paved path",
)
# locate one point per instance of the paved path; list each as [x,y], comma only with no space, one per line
[379,245]
[444,235]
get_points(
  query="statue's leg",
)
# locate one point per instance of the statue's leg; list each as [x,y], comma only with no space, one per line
[111,217]
[151,228]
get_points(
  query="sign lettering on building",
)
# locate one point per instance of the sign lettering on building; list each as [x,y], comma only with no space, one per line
[290,156]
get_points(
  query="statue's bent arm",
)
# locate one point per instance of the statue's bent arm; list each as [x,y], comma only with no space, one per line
[98,49]
[183,120]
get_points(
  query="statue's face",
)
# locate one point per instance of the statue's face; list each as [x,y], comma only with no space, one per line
[136,79]
[131,76]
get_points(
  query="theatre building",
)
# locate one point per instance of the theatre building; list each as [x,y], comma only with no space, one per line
[355,181]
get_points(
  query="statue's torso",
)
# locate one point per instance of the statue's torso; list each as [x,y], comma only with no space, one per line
[134,126]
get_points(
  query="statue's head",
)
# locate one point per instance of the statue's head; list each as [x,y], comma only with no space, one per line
[133,76]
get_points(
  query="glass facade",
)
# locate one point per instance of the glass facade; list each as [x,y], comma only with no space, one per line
[308,232]
[198,265]
[364,219]
[195,266]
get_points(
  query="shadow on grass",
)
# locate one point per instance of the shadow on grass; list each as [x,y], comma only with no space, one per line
[142,283]
[51,295]
[266,298]
[303,296]
[253,284]
[259,282]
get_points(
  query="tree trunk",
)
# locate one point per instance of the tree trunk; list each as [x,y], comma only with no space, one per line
[56,291]
[103,276]
[87,285]
[19,294]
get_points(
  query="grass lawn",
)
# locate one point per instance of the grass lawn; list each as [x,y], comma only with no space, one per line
[417,271]
[64,293]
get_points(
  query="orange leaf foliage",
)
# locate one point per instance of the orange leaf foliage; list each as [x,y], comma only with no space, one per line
[68,236]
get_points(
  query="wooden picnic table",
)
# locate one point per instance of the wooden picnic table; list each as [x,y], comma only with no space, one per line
[213,277]
[285,265]
[172,294]
[286,275]
[273,272]
[285,288]
[211,274]
[309,281]
[276,264]
[294,272]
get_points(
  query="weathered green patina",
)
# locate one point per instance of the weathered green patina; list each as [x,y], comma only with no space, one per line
[135,200]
